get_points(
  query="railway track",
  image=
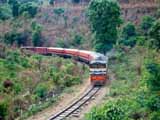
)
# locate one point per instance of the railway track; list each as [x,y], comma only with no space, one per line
[76,105]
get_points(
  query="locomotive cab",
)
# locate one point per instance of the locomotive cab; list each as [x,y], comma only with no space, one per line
[98,72]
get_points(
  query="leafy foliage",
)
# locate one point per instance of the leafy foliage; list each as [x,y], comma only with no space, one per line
[135,95]
[155,116]
[33,78]
[129,30]
[104,17]
[59,11]
[36,34]
[15,7]
[41,90]
[29,7]
[51,2]
[77,40]
[75,1]
[3,109]
[155,34]
[152,76]
[154,103]
[110,111]
[5,12]
[16,37]
[129,35]
[146,24]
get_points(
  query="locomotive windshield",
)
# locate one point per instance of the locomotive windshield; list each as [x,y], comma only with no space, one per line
[97,65]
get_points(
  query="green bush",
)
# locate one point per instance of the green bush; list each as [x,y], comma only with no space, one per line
[140,40]
[152,75]
[129,30]
[36,34]
[110,111]
[29,7]
[153,103]
[59,11]
[62,43]
[25,62]
[146,24]
[154,34]
[3,109]
[15,7]
[75,1]
[51,2]
[41,90]
[17,88]
[56,79]
[78,40]
[129,42]
[36,38]
[155,116]
[70,80]
[5,12]
[15,37]
[128,36]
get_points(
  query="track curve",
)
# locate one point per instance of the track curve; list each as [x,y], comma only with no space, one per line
[76,105]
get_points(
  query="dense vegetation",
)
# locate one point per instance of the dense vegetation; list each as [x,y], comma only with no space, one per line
[28,80]
[135,66]
[104,17]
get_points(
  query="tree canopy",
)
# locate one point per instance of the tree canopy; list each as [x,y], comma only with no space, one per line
[155,34]
[104,18]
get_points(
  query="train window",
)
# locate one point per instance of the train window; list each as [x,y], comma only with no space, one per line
[93,66]
[101,65]
[98,66]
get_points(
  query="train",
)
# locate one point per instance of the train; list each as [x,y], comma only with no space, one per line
[97,62]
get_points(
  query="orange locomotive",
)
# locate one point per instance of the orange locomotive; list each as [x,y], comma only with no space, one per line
[96,61]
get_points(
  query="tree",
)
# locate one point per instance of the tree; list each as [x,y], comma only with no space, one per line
[146,24]
[77,40]
[152,75]
[59,11]
[155,34]
[15,37]
[129,30]
[153,102]
[5,12]
[76,1]
[15,7]
[29,7]
[41,90]
[104,18]
[3,109]
[51,2]
[36,33]
[128,34]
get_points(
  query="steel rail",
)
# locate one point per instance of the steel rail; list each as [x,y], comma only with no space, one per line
[76,105]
